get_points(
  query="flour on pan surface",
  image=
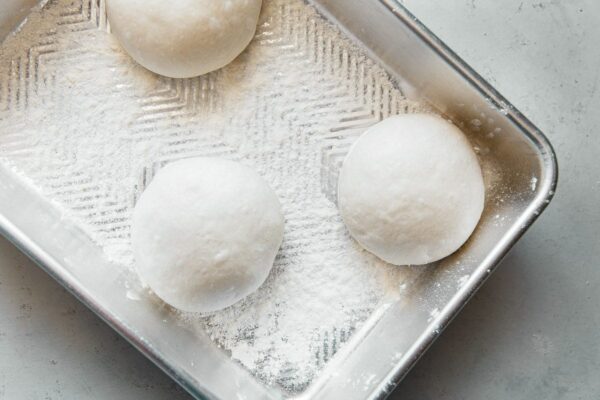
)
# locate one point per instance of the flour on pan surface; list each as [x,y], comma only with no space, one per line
[88,127]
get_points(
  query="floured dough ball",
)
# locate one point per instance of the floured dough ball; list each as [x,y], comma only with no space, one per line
[184,38]
[411,189]
[205,233]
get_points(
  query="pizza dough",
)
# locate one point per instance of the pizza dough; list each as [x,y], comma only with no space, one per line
[205,233]
[184,38]
[411,189]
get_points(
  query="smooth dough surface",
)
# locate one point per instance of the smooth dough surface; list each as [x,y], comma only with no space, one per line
[184,38]
[411,189]
[205,233]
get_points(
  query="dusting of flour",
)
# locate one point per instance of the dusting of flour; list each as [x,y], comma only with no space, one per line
[310,305]
[89,129]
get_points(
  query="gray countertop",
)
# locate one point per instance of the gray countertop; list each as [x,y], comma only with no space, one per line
[530,333]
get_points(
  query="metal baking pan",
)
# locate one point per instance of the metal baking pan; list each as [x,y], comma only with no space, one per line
[83,129]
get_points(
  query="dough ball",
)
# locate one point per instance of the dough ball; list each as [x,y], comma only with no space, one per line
[184,38]
[411,189]
[205,233]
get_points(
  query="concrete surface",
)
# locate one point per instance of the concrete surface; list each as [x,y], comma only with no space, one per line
[530,333]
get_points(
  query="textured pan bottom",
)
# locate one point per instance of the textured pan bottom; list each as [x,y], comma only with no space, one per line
[87,127]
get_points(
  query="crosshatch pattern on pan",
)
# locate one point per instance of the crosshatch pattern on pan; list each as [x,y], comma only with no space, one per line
[89,128]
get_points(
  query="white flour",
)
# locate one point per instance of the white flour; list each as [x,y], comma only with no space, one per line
[308,308]
[89,128]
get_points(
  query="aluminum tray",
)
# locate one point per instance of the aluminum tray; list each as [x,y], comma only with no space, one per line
[64,144]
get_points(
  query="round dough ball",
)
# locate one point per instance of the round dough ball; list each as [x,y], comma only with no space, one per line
[184,38]
[205,233]
[411,189]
